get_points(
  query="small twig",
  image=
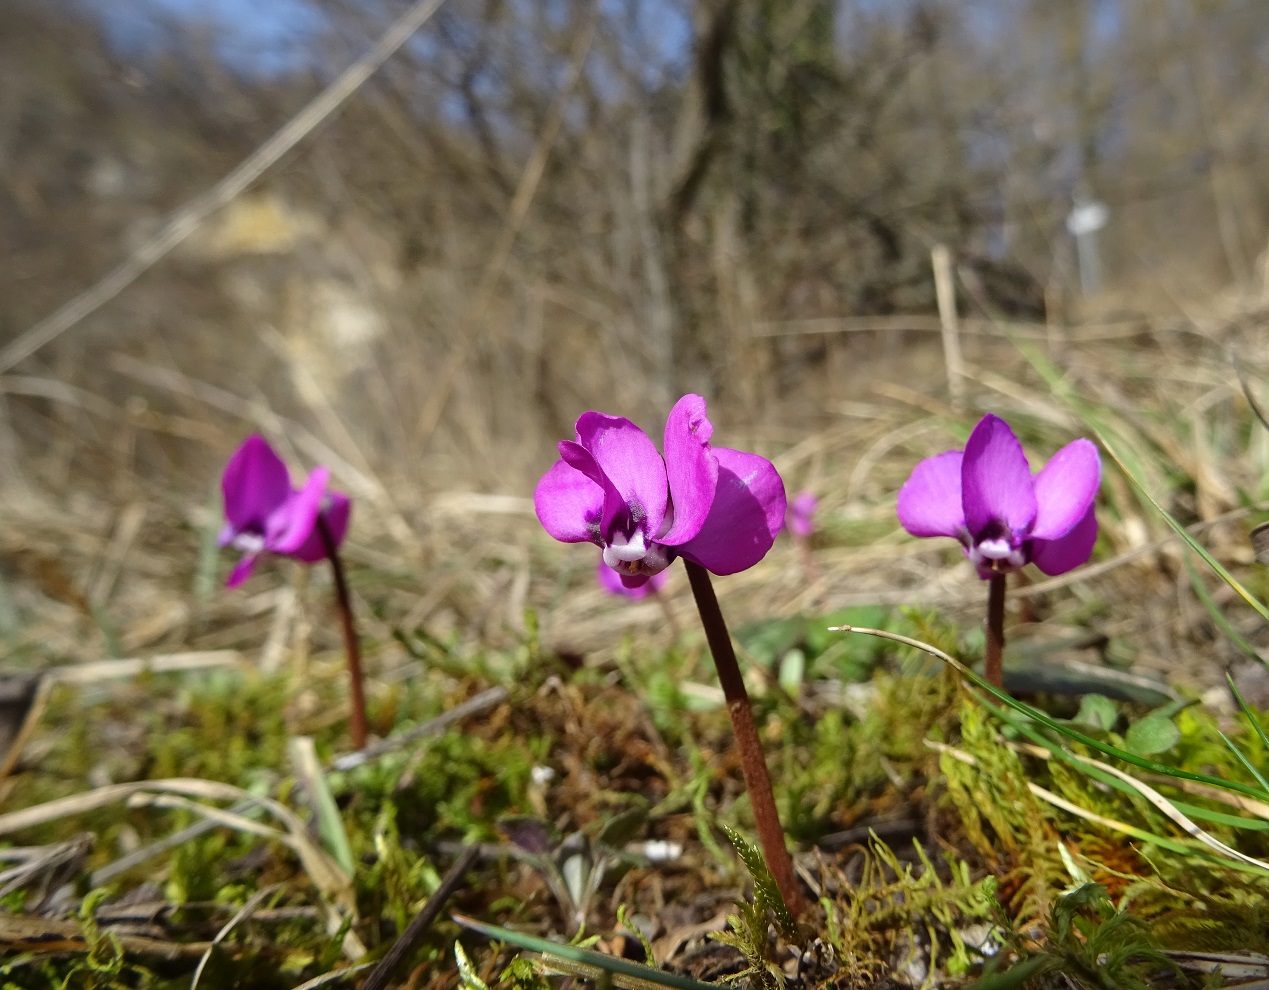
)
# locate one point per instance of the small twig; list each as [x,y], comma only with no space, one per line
[357,717]
[486,699]
[757,780]
[382,974]
[246,911]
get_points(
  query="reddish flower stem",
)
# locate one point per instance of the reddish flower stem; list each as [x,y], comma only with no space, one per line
[754,767]
[357,717]
[993,657]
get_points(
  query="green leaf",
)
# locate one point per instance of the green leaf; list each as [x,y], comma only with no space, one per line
[584,962]
[1096,712]
[468,979]
[330,825]
[620,830]
[1153,734]
[792,671]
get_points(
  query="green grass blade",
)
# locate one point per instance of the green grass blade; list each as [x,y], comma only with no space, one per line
[1043,718]
[1251,769]
[1193,811]
[1217,616]
[1248,713]
[645,975]
[330,824]
[1190,541]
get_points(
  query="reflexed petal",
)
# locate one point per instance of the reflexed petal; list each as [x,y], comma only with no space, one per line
[1061,555]
[747,513]
[254,484]
[242,570]
[335,515]
[635,587]
[289,527]
[1065,489]
[569,504]
[634,469]
[692,470]
[930,500]
[996,479]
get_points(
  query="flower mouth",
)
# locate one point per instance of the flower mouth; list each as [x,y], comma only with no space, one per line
[633,556]
[248,543]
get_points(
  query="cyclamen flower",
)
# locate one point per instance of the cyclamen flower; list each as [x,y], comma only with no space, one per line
[986,497]
[718,507]
[612,582]
[800,517]
[266,515]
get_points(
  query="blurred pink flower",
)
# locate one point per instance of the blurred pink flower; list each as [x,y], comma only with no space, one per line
[799,519]
[266,515]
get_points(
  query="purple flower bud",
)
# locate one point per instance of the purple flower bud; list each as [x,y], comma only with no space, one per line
[266,515]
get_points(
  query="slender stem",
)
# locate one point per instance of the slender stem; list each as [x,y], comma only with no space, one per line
[993,658]
[357,718]
[754,767]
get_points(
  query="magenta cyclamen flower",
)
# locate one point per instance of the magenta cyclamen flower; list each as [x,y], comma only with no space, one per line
[718,507]
[800,517]
[986,497]
[266,515]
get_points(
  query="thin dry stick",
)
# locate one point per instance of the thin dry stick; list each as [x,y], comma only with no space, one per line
[993,657]
[382,975]
[357,717]
[945,292]
[187,219]
[757,780]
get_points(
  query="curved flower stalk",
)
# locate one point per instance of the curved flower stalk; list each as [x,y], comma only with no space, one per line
[986,497]
[266,515]
[719,509]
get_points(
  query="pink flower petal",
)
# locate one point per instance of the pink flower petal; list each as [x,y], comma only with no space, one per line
[996,479]
[746,515]
[1065,489]
[335,515]
[242,570]
[254,484]
[634,587]
[691,468]
[633,468]
[287,529]
[930,500]
[1070,550]
[569,504]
